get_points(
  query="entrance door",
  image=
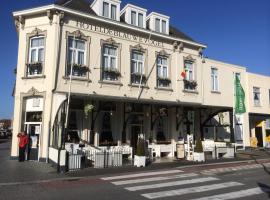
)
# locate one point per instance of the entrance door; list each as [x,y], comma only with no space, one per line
[33,132]
[135,132]
[258,133]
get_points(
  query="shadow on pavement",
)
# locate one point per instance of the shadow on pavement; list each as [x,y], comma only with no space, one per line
[265,188]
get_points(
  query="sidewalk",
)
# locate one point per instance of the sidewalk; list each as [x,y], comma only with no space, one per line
[13,171]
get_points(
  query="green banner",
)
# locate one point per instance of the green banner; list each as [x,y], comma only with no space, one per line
[239,97]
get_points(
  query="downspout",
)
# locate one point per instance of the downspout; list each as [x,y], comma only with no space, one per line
[58,45]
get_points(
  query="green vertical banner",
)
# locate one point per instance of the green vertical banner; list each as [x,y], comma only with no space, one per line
[239,97]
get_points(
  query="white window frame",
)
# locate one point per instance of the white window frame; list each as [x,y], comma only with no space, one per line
[75,51]
[113,5]
[139,20]
[110,56]
[75,54]
[137,62]
[214,79]
[187,71]
[162,66]
[109,10]
[131,21]
[36,48]
[161,28]
[257,90]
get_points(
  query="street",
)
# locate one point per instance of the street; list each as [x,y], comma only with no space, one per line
[159,184]
[200,183]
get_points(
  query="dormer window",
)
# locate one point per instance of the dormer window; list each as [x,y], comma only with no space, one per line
[134,15]
[160,26]
[158,23]
[109,10]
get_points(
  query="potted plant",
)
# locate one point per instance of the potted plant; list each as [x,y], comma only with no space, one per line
[190,85]
[139,157]
[198,154]
[88,108]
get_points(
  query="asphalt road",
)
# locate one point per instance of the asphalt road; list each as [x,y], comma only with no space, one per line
[159,184]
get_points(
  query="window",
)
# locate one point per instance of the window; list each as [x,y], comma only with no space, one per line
[140,20]
[137,67]
[189,82]
[105,9]
[110,71]
[76,57]
[36,56]
[113,12]
[109,10]
[157,25]
[162,72]
[214,79]
[189,70]
[133,18]
[256,96]
[164,26]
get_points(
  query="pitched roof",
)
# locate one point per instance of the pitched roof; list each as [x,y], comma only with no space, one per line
[84,6]
[80,5]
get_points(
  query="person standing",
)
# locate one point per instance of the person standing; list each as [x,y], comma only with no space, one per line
[23,141]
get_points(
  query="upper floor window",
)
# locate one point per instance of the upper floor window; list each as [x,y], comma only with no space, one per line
[36,56]
[110,69]
[76,57]
[189,82]
[162,72]
[256,96]
[140,20]
[214,79]
[160,25]
[133,18]
[113,12]
[157,25]
[137,68]
[109,10]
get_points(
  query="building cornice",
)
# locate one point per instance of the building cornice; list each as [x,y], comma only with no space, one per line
[101,19]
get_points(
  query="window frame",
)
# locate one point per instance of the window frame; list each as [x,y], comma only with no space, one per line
[76,52]
[214,79]
[188,71]
[163,81]
[110,13]
[142,25]
[116,57]
[257,103]
[133,74]
[36,33]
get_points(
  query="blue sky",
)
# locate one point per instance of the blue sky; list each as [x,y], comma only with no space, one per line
[235,31]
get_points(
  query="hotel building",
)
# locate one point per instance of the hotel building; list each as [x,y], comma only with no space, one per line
[101,74]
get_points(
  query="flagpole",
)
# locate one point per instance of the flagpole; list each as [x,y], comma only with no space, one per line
[70,81]
[139,94]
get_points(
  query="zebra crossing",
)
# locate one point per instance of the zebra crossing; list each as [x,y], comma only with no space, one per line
[176,183]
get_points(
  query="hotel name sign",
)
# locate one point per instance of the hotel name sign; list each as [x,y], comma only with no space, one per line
[119,34]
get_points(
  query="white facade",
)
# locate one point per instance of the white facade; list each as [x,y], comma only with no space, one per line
[130,75]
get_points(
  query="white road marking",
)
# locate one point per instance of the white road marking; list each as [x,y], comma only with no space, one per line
[235,195]
[142,174]
[159,178]
[198,189]
[169,184]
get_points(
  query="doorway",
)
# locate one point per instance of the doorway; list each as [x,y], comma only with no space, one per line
[258,133]
[33,131]
[136,130]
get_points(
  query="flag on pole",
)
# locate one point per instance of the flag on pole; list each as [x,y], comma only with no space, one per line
[239,97]
[183,74]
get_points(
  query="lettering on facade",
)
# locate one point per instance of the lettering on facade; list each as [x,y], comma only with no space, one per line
[115,33]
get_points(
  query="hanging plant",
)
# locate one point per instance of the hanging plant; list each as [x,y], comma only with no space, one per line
[88,108]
